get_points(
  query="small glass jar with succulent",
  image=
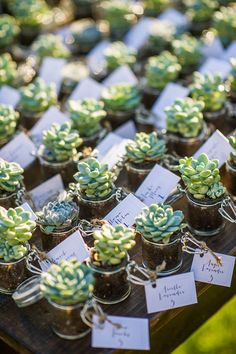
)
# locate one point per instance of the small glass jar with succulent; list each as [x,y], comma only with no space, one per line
[94,188]
[224,21]
[211,90]
[160,228]
[108,261]
[185,128]
[58,152]
[8,70]
[159,71]
[9,30]
[16,230]
[120,102]
[87,116]
[8,122]
[35,99]
[117,54]
[155,7]
[204,192]
[142,154]
[161,35]
[232,80]
[231,168]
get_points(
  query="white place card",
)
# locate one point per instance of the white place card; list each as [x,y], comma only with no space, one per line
[95,59]
[213,49]
[107,143]
[216,147]
[216,66]
[72,247]
[123,74]
[168,96]
[126,130]
[175,17]
[19,150]
[9,96]
[126,211]
[139,33]
[171,292]
[63,32]
[46,191]
[51,71]
[207,270]
[132,334]
[87,88]
[27,207]
[230,52]
[157,186]
[115,154]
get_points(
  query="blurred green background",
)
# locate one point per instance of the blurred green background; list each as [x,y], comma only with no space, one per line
[216,336]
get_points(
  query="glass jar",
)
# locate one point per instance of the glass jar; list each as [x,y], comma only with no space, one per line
[52,239]
[231,178]
[137,174]
[29,119]
[93,140]
[153,255]
[144,120]
[217,118]
[116,118]
[12,274]
[149,94]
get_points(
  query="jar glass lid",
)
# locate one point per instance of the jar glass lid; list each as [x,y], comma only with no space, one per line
[28,292]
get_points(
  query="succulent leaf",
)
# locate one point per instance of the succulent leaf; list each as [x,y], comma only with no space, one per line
[117,54]
[8,69]
[122,97]
[224,21]
[9,29]
[8,121]
[11,176]
[187,49]
[50,45]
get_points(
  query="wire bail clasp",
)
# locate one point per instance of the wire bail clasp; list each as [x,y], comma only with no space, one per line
[149,276]
[228,203]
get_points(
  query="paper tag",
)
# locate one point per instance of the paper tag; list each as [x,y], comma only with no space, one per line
[95,58]
[216,66]
[133,334]
[175,17]
[168,96]
[230,52]
[213,49]
[216,147]
[64,32]
[9,96]
[19,150]
[123,74]
[126,130]
[157,186]
[47,191]
[106,144]
[51,71]
[207,270]
[126,211]
[87,88]
[139,33]
[171,292]
[26,207]
[72,247]
[115,154]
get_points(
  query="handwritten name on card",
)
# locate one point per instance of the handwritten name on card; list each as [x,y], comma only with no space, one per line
[51,71]
[46,191]
[207,270]
[216,147]
[171,292]
[139,33]
[132,334]
[123,74]
[216,66]
[230,52]
[19,150]
[95,59]
[87,88]
[126,130]
[126,211]
[157,186]
[26,207]
[9,96]
[213,48]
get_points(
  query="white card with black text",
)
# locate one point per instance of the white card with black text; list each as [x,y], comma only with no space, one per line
[9,96]
[87,88]
[51,71]
[122,74]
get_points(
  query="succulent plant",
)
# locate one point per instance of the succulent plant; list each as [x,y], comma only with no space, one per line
[200,10]
[111,244]
[145,148]
[122,97]
[11,176]
[86,115]
[8,69]
[85,31]
[210,89]
[37,96]
[50,45]
[67,283]
[11,253]
[187,49]
[161,34]
[9,29]
[8,121]
[161,69]
[94,179]
[154,7]
[232,141]
[158,222]
[224,21]
[201,177]
[185,117]
[117,54]
[61,142]
[232,77]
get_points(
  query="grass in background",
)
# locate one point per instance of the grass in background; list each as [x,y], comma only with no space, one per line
[216,336]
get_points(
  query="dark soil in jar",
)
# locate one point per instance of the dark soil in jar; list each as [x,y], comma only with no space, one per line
[7,199]
[29,119]
[12,274]
[51,240]
[136,173]
[117,118]
[28,34]
[149,95]
[231,178]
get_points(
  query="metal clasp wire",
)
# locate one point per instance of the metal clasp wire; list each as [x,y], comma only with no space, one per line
[151,276]
[228,203]
[35,255]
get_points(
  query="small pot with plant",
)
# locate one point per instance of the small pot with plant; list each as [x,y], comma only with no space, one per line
[231,168]
[161,35]
[141,156]
[8,70]
[108,261]
[224,21]
[49,45]
[58,153]
[8,122]
[161,229]
[9,30]
[204,193]
[15,229]
[117,54]
[155,7]
[35,99]
[185,128]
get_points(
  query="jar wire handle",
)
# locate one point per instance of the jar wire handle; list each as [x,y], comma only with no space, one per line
[151,276]
[35,255]
[228,203]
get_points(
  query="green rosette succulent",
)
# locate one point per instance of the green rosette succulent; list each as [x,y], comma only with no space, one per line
[200,10]
[68,283]
[57,215]
[8,69]
[232,141]
[161,69]
[158,222]
[145,148]
[123,97]
[188,50]
[161,35]
[94,179]
[154,7]
[8,121]
[185,117]
[201,177]
[61,142]
[37,96]
[11,253]
[11,176]
[111,244]
[117,54]
[50,45]
[86,115]
[210,89]
[224,21]
[9,29]
[232,77]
